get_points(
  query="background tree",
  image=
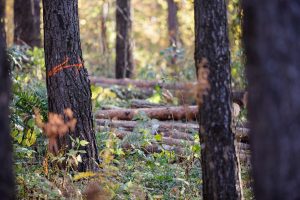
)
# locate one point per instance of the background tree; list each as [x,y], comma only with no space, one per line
[173,28]
[103,30]
[7,190]
[218,156]
[124,57]
[68,85]
[27,22]
[271,31]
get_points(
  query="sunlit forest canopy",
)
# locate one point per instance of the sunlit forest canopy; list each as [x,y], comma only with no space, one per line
[150,37]
[152,51]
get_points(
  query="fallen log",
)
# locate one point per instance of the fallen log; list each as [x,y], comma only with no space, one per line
[238,97]
[161,113]
[163,126]
[168,127]
[164,140]
[241,133]
[107,82]
[171,134]
[110,107]
[138,103]
[242,146]
[177,135]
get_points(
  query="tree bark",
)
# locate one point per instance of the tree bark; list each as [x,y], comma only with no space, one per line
[218,157]
[7,189]
[68,85]
[271,38]
[104,16]
[161,113]
[124,57]
[2,26]
[173,23]
[27,22]
[173,29]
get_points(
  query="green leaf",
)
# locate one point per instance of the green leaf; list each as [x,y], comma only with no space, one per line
[83,143]
[78,158]
[31,123]
[158,137]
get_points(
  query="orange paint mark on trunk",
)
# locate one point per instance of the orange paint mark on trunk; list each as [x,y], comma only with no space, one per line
[64,65]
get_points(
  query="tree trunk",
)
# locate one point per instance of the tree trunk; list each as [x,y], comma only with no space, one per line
[271,38]
[7,190]
[2,26]
[124,57]
[68,85]
[104,16]
[27,22]
[219,162]
[173,29]
[173,23]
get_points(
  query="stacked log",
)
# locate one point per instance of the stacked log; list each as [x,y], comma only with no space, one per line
[177,126]
[160,113]
[186,89]
[168,128]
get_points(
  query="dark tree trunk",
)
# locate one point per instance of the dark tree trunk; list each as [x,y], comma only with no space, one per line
[271,38]
[7,190]
[219,163]
[173,23]
[27,22]
[2,23]
[68,85]
[124,57]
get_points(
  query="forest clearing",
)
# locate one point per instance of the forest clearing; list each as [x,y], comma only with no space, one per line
[149,100]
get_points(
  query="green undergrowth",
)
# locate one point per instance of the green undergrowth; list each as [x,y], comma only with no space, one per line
[124,173]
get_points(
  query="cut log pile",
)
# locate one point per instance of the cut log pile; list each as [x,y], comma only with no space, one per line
[177,125]
[160,113]
[185,89]
[175,135]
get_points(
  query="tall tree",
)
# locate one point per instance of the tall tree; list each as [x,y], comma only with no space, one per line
[104,16]
[271,38]
[218,158]
[7,190]
[2,24]
[68,85]
[124,57]
[173,28]
[27,22]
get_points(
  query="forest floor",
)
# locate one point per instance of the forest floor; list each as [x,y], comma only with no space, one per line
[142,157]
